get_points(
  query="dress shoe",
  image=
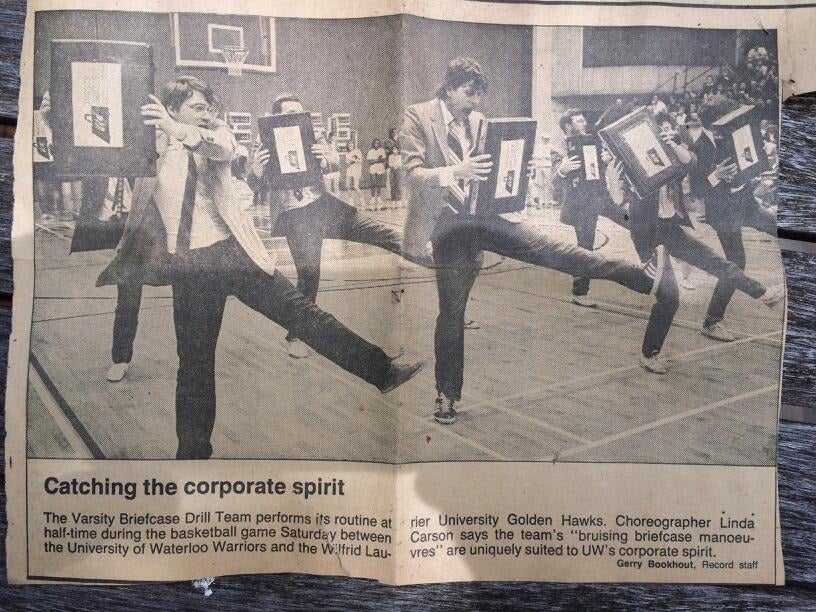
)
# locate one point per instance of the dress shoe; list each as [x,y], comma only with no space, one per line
[399,373]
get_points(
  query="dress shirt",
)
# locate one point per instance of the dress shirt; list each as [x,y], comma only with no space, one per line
[208,227]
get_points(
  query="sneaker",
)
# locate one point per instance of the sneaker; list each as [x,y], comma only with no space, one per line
[297,349]
[584,301]
[471,324]
[117,372]
[686,283]
[718,331]
[445,413]
[653,364]
[654,267]
[399,374]
[773,295]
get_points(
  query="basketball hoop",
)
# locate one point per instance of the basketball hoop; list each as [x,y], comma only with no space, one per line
[234,58]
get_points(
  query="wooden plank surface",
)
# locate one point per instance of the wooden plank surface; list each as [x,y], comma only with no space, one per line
[796,453]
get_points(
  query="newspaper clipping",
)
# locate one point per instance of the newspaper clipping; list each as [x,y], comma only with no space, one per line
[417,292]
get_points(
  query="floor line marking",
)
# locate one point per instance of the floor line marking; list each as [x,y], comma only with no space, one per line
[665,421]
[74,439]
[626,368]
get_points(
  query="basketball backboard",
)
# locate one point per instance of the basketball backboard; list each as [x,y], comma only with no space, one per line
[198,39]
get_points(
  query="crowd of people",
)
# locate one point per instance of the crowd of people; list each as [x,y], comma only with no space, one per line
[382,161]
[753,82]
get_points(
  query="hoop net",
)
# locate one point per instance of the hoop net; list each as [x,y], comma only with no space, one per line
[234,58]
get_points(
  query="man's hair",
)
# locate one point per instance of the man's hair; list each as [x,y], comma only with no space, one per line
[177,92]
[661,118]
[716,107]
[277,105]
[566,119]
[461,71]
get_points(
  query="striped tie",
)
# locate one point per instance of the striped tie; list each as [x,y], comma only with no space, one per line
[456,133]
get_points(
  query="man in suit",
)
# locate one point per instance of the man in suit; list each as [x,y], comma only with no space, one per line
[211,251]
[661,218]
[310,215]
[436,141]
[583,201]
[729,206]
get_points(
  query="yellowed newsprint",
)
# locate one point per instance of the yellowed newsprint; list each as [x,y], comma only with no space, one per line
[417,292]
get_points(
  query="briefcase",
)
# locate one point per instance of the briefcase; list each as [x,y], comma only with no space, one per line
[739,140]
[648,161]
[587,148]
[97,91]
[289,139]
[509,141]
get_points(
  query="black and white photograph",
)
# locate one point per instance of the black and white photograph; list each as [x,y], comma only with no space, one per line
[258,238]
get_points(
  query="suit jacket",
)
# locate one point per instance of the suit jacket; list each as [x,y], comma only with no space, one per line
[724,210]
[276,199]
[423,143]
[142,256]
[644,213]
[581,201]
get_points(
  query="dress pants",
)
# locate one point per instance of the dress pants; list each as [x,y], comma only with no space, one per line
[201,284]
[731,240]
[457,244]
[394,179]
[328,217]
[585,235]
[125,322]
[680,242]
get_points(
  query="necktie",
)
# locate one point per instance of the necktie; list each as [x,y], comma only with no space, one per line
[187,206]
[453,139]
[457,133]
[119,196]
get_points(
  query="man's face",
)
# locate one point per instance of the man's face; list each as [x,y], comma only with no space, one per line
[666,128]
[195,110]
[463,99]
[290,107]
[579,124]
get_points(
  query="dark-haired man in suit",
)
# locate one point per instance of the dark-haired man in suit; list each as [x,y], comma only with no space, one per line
[436,142]
[662,219]
[729,206]
[582,201]
[311,215]
[212,251]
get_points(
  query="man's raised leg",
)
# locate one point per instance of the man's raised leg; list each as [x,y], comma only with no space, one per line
[277,299]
